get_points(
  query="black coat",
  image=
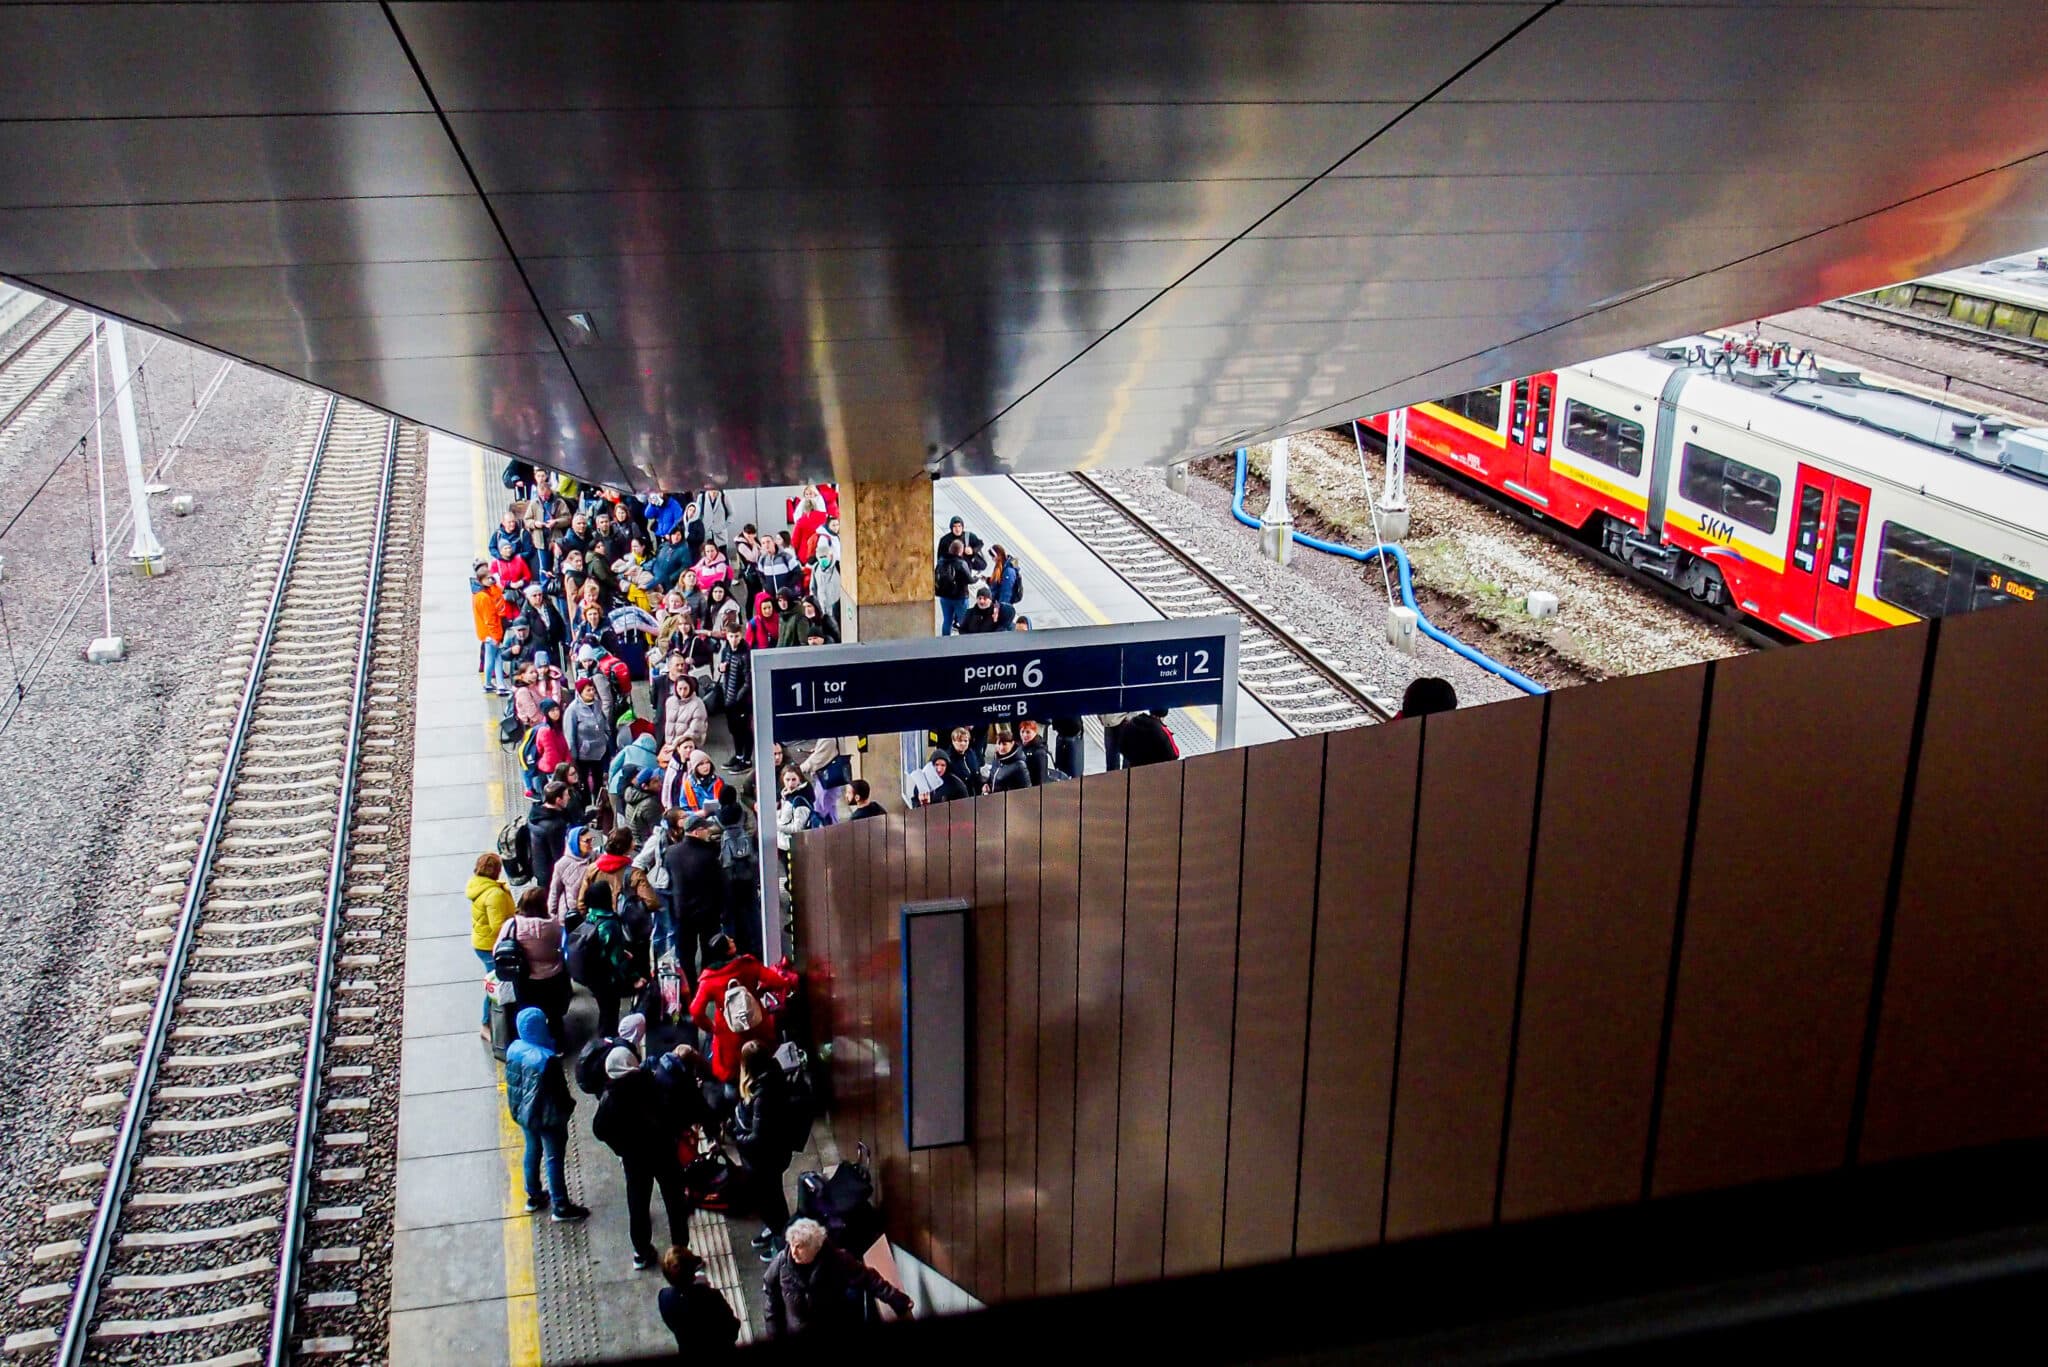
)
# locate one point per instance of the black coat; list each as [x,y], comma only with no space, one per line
[1143,739]
[979,619]
[828,1294]
[704,1325]
[636,1119]
[1038,761]
[696,884]
[1007,773]
[547,834]
[735,679]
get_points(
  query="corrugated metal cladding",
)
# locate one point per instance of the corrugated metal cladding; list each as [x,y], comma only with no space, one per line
[845,238]
[1660,935]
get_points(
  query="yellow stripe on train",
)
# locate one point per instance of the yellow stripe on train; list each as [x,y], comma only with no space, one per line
[1462,424]
[1599,485]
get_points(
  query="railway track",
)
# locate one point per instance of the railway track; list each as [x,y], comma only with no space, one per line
[208,1190]
[1946,329]
[28,371]
[1276,664]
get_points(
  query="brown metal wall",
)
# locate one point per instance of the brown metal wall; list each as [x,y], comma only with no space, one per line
[1758,918]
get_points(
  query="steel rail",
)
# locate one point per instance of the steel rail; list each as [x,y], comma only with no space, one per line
[74,1338]
[1947,329]
[1323,668]
[35,390]
[7,362]
[299,1184]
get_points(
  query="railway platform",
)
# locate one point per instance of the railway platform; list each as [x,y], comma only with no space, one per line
[474,1277]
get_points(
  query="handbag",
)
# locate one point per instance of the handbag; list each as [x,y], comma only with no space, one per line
[836,774]
[503,991]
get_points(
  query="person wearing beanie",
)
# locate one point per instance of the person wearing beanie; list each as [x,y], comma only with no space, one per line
[635,1121]
[565,887]
[701,787]
[642,806]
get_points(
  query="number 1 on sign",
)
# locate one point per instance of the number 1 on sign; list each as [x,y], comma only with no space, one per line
[796,695]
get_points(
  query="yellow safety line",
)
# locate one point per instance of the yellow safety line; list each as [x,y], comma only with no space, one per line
[522,1299]
[1052,572]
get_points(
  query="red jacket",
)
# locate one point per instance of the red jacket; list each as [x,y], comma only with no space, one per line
[707,1008]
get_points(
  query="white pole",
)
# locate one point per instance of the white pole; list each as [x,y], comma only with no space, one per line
[1276,528]
[146,550]
[99,446]
[1393,504]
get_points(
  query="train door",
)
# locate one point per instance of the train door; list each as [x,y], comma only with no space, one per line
[1836,609]
[1527,471]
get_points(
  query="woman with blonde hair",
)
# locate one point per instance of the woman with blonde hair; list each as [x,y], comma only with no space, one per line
[490,906]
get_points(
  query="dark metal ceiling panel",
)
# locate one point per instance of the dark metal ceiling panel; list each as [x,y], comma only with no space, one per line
[156,161]
[180,61]
[840,238]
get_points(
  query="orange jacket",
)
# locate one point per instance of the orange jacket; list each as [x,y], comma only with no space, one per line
[487,605]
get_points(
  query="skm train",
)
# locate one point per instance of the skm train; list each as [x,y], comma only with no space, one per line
[1763,482]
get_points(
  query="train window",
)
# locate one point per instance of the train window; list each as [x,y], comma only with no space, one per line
[1741,492]
[1811,501]
[1518,420]
[1539,436]
[1603,436]
[1913,570]
[1996,584]
[1481,406]
[1842,559]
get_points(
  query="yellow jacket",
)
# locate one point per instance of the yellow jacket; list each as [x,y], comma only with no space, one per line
[490,906]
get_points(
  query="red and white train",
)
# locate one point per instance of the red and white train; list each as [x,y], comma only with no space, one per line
[1803,497]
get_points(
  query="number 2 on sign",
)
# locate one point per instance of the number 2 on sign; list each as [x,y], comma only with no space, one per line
[1201,662]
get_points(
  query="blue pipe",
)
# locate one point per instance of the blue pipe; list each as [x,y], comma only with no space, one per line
[1400,558]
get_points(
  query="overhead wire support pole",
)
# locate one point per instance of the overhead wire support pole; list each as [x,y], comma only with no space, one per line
[145,550]
[99,1243]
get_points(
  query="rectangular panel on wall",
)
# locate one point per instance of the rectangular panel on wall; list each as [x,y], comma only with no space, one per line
[882,981]
[1799,805]
[1058,968]
[917,882]
[991,1029]
[1104,808]
[1151,897]
[1205,981]
[938,1168]
[1276,933]
[1368,827]
[1960,1057]
[1020,1043]
[1617,789]
[1464,945]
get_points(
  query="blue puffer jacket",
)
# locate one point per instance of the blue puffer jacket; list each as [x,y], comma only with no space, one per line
[529,1062]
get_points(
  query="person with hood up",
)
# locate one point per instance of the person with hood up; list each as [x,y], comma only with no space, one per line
[725,967]
[670,559]
[624,770]
[790,632]
[490,906]
[806,521]
[815,620]
[827,581]
[956,530]
[687,722]
[637,1122]
[766,627]
[937,782]
[643,805]
[565,884]
[538,1097]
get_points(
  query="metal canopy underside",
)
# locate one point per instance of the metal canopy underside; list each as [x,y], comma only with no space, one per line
[841,239]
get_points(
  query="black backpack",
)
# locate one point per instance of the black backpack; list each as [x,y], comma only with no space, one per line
[508,960]
[949,580]
[509,725]
[1017,586]
[844,1202]
[803,1104]
[590,1074]
[515,850]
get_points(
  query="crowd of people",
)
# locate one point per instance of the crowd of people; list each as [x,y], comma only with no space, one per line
[617,628]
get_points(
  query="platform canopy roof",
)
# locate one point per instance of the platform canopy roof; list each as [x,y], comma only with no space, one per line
[748,242]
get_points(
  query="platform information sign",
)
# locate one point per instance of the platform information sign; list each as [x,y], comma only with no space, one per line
[1048,680]
[912,685]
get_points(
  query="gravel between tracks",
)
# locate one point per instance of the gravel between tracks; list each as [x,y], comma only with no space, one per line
[96,756]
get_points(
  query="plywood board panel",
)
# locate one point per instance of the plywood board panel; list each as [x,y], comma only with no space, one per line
[1464,946]
[1799,806]
[1151,913]
[1021,838]
[1205,982]
[1058,968]
[1099,1021]
[1959,1057]
[1368,827]
[1610,845]
[1276,934]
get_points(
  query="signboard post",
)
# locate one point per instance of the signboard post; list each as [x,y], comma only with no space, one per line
[853,690]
